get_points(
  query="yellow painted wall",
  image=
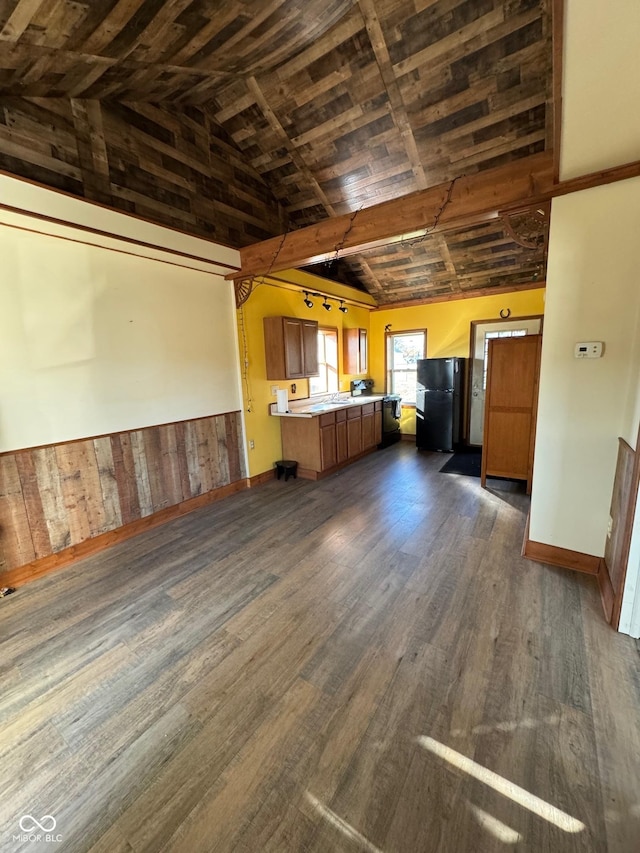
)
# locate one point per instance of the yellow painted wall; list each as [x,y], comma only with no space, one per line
[448,326]
[448,331]
[266,301]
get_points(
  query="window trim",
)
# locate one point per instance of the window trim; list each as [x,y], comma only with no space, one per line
[396,333]
[334,330]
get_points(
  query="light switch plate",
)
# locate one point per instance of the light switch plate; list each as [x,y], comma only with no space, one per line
[589,349]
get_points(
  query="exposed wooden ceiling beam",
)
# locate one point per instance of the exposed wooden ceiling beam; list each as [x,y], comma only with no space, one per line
[466,200]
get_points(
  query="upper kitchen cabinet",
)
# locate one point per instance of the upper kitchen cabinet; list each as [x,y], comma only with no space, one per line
[291,347]
[354,342]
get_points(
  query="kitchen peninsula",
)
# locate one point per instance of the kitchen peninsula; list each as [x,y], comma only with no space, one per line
[324,435]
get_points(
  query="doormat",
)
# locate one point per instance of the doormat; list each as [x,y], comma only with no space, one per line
[468,463]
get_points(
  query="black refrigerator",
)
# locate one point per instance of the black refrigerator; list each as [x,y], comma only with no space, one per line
[440,403]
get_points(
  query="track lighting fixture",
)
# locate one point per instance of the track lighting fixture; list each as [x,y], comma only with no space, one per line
[326,301]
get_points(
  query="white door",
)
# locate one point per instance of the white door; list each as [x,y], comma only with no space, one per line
[483,332]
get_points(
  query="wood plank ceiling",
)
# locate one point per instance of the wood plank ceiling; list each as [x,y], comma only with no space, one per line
[290,111]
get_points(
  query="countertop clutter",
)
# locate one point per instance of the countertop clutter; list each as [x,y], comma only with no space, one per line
[309,408]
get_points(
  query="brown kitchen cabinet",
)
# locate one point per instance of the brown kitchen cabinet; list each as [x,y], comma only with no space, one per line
[328,454]
[369,426]
[354,431]
[291,347]
[354,351]
[323,443]
[377,418]
[342,451]
[511,402]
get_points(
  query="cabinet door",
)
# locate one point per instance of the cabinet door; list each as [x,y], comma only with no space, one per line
[368,431]
[354,351]
[328,446]
[310,347]
[293,348]
[354,433]
[342,450]
[378,423]
[368,426]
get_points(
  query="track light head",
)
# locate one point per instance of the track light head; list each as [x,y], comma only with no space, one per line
[343,307]
[307,301]
[326,305]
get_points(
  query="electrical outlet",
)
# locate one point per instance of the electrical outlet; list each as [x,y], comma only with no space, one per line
[609,527]
[252,444]
[274,390]
[293,387]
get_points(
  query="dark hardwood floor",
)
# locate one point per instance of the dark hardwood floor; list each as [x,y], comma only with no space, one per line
[364,663]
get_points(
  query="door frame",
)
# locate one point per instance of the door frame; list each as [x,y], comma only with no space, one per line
[472,346]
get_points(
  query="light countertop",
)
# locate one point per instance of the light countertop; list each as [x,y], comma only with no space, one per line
[307,408]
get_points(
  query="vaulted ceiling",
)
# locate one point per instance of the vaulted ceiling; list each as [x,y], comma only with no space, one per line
[279,114]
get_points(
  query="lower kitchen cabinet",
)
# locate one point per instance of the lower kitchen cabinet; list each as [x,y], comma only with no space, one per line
[323,443]
[342,450]
[369,427]
[354,432]
[328,454]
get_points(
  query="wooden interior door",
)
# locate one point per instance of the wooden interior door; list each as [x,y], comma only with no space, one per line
[480,331]
[511,402]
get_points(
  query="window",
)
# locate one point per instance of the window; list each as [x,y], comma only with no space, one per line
[403,351]
[327,380]
[508,333]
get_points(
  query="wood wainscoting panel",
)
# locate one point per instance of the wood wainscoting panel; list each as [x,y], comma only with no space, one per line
[56,499]
[622,509]
[607,594]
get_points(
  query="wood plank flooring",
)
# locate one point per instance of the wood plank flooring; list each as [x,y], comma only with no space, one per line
[363,663]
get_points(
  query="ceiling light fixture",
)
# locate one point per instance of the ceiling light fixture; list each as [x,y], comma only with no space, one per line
[343,307]
[326,305]
[307,301]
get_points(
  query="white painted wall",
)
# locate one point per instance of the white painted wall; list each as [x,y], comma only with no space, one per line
[94,341]
[601,86]
[593,293]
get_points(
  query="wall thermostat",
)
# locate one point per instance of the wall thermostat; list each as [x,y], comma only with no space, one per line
[588,349]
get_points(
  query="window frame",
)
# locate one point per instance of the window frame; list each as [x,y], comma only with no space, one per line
[389,335]
[323,330]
